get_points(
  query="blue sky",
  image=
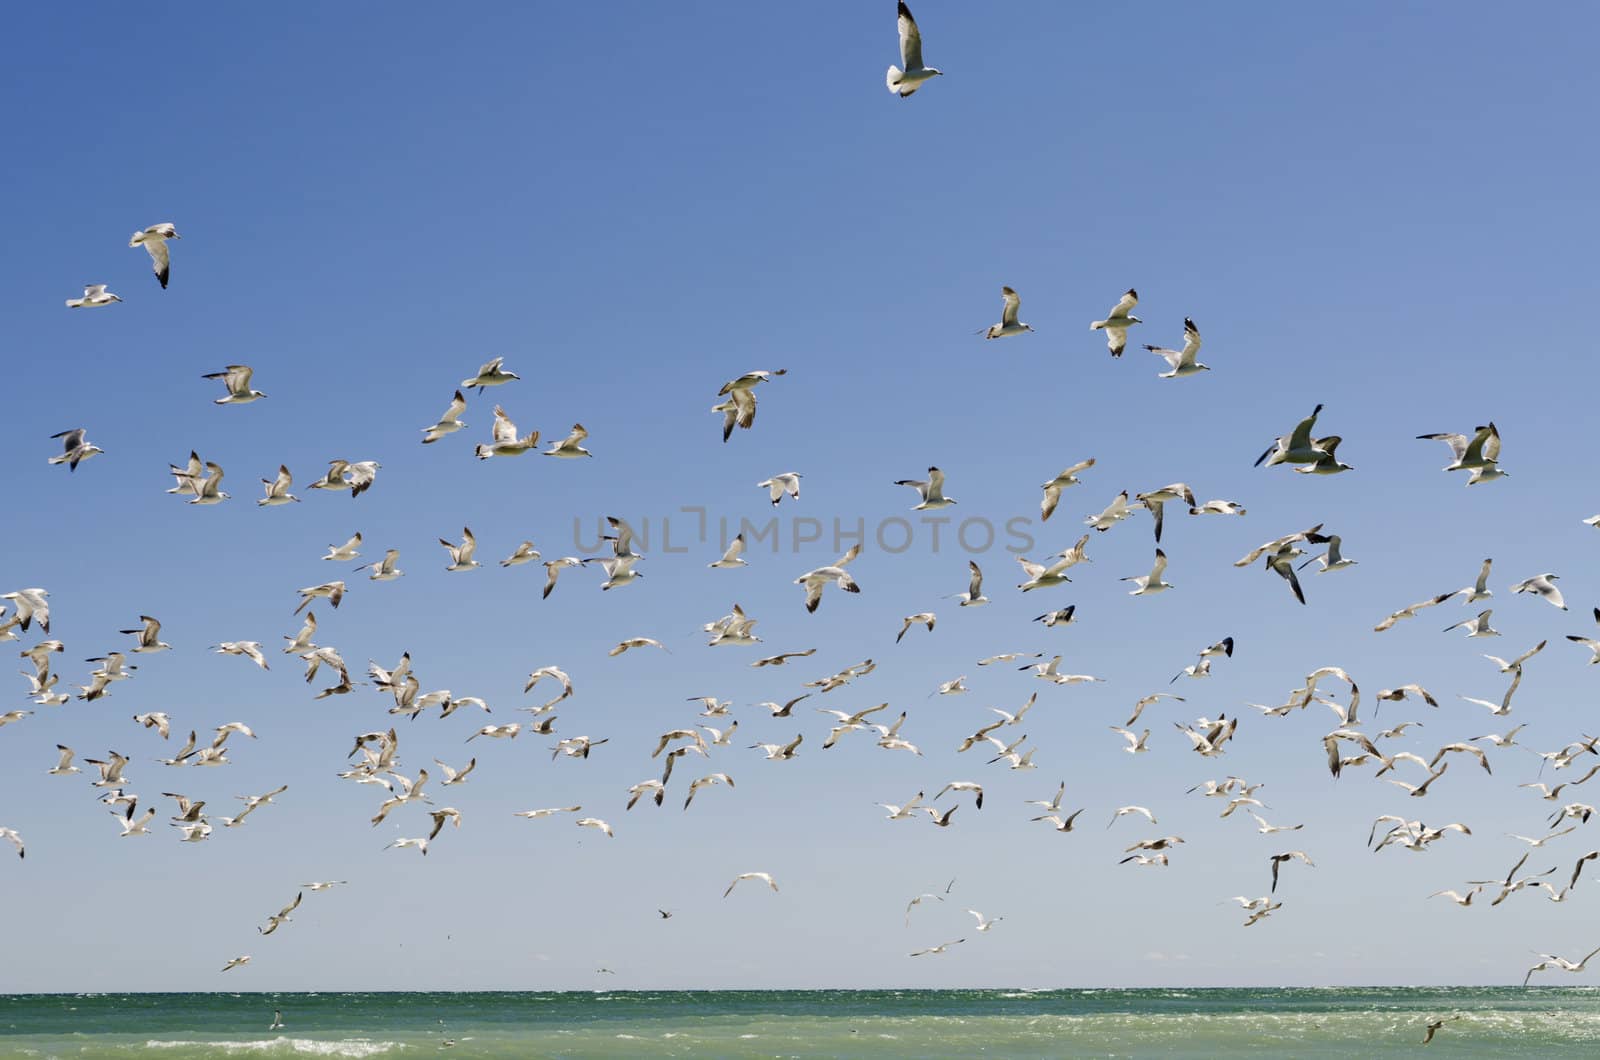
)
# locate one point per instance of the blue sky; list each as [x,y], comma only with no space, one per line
[1388,212]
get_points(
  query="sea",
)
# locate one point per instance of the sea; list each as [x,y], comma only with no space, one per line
[1333,1022]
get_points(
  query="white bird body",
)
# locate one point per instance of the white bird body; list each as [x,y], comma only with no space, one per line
[904,82]
[154,240]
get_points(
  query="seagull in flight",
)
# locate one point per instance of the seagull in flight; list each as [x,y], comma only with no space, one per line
[904,82]
[491,374]
[154,240]
[571,447]
[1181,362]
[1152,583]
[1543,585]
[1053,488]
[1009,325]
[277,491]
[778,485]
[461,556]
[815,581]
[931,492]
[765,877]
[449,421]
[1118,321]
[236,377]
[95,295]
[75,449]
[1297,447]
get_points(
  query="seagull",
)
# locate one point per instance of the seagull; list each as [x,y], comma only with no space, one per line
[1112,514]
[1328,463]
[1457,897]
[1156,501]
[333,592]
[1009,325]
[449,420]
[763,876]
[504,440]
[497,732]
[540,674]
[1515,665]
[1125,810]
[1118,321]
[785,710]
[1051,671]
[1061,824]
[94,296]
[815,581]
[154,240]
[708,780]
[74,450]
[1543,585]
[132,826]
[236,377]
[149,636]
[922,618]
[637,642]
[525,553]
[11,836]
[1043,576]
[278,489]
[491,374]
[1217,508]
[421,843]
[1297,447]
[15,715]
[784,752]
[1053,488]
[1476,627]
[939,948]
[553,569]
[1181,362]
[236,962]
[460,555]
[1433,1027]
[248,648]
[904,82]
[740,407]
[1269,829]
[963,785]
[346,552]
[1063,617]
[188,476]
[778,485]
[619,570]
[571,447]
[1333,559]
[1152,583]
[1278,860]
[904,812]
[931,492]
[64,767]
[1480,454]
[1138,708]
[783,657]
[548,812]
[1410,611]
[385,570]
[1136,744]
[732,557]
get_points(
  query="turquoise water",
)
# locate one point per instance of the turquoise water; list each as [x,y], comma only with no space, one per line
[883,1023]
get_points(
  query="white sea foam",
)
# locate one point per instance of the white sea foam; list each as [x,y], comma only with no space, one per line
[355,1047]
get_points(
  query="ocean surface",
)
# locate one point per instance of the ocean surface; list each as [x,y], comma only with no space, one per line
[1376,1021]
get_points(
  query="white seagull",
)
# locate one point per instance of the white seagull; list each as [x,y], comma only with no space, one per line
[154,240]
[904,82]
[1118,321]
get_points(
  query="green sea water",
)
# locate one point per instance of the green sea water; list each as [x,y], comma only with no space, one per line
[1375,1021]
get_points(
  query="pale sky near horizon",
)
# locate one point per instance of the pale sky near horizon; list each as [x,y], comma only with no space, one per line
[1385,209]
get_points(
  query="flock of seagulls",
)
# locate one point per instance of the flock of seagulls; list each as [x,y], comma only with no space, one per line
[375,759]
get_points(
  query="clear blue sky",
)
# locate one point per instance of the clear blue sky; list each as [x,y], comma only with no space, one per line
[1387,209]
